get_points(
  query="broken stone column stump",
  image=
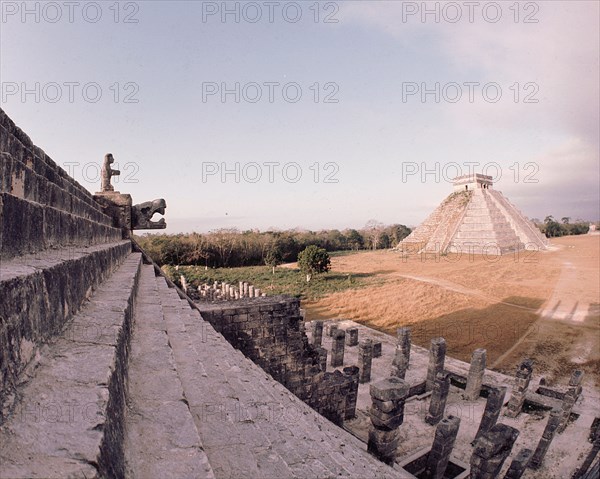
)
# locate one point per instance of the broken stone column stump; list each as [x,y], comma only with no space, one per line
[352,336]
[403,337]
[387,414]
[475,376]
[491,450]
[519,464]
[365,359]
[437,404]
[317,333]
[570,398]
[399,364]
[352,373]
[376,349]
[493,406]
[337,348]
[437,357]
[517,398]
[443,443]
[546,439]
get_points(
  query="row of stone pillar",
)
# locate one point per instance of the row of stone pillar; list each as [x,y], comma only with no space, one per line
[225,291]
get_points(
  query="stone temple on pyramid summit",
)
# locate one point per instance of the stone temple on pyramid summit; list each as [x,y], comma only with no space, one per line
[475,219]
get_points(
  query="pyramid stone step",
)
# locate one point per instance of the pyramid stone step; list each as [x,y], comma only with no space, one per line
[71,414]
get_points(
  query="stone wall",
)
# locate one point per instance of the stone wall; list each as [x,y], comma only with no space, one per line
[48,209]
[56,246]
[270,331]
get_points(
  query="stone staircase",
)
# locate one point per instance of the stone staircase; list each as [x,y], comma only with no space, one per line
[484,229]
[527,232]
[432,233]
[219,411]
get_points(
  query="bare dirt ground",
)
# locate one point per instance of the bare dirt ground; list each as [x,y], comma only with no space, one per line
[543,305]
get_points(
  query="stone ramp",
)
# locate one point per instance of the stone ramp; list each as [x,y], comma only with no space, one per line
[69,420]
[161,437]
[249,424]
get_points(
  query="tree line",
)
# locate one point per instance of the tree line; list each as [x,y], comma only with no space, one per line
[232,248]
[552,228]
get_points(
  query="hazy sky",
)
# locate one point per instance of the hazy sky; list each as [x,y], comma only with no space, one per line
[312,114]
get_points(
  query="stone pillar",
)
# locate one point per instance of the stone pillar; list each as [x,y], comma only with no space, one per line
[352,397]
[365,358]
[491,450]
[337,348]
[245,289]
[475,377]
[399,364]
[386,413]
[376,349]
[547,436]
[322,358]
[352,336]
[317,333]
[403,335]
[443,442]
[241,286]
[519,464]
[437,356]
[493,406]
[251,291]
[437,405]
[523,376]
[183,282]
[333,327]
[570,399]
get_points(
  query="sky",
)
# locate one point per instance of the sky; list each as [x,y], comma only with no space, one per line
[258,115]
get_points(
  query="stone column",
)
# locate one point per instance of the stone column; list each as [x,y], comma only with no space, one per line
[547,436]
[523,376]
[443,442]
[251,291]
[570,399]
[437,356]
[475,377]
[491,450]
[245,289]
[519,464]
[386,413]
[322,358]
[437,405]
[365,358]
[337,348]
[399,364]
[352,336]
[352,397]
[493,406]
[333,327]
[317,333]
[403,337]
[241,287]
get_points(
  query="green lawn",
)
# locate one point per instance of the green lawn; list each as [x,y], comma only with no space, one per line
[284,281]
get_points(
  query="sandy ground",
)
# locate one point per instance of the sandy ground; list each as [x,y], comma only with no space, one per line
[545,305]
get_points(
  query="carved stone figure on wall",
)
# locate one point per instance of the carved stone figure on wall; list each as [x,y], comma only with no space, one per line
[108,173]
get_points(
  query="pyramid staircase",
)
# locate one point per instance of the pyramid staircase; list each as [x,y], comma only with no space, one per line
[478,221]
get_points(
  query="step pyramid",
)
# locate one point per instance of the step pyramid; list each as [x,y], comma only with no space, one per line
[475,219]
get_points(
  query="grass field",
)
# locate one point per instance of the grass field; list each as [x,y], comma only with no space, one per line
[286,280]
